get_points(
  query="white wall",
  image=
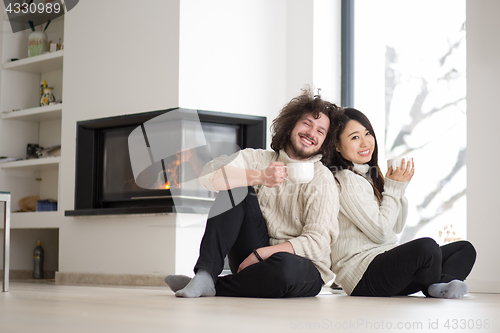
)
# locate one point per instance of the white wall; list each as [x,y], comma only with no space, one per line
[326,49]
[232,56]
[313,47]
[252,57]
[483,86]
[120,58]
[299,46]
[219,55]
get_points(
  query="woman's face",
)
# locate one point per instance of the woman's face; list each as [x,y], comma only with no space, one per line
[356,143]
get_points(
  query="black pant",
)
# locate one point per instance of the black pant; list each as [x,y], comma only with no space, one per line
[235,232]
[414,266]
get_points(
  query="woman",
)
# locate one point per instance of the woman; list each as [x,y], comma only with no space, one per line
[366,258]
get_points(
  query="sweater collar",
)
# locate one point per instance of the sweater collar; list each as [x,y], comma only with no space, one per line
[283,157]
[361,168]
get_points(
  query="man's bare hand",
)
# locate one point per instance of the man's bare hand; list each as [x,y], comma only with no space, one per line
[274,175]
[250,260]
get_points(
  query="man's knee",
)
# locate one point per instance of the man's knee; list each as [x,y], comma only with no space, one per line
[290,267]
[294,275]
[230,200]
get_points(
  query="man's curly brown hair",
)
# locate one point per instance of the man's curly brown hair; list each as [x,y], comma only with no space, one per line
[292,112]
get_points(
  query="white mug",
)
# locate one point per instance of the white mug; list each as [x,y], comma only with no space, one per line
[300,172]
[396,162]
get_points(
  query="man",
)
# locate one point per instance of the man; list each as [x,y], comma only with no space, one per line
[277,234]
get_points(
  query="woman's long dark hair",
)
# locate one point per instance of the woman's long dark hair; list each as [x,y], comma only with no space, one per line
[339,163]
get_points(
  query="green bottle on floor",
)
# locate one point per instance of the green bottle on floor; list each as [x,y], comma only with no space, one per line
[38,261]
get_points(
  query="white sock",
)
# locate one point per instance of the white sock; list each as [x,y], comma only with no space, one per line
[201,285]
[177,282]
[452,289]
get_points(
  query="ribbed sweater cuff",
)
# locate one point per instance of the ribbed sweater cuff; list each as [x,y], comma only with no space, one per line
[297,247]
[394,188]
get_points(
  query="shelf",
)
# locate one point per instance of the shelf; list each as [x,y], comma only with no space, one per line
[39,64]
[34,164]
[41,113]
[35,220]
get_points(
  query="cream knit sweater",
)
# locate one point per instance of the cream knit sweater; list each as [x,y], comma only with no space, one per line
[303,214]
[367,228]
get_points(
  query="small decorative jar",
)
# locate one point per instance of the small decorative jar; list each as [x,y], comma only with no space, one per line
[47,96]
[37,43]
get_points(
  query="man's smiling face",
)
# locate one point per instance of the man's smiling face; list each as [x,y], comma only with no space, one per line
[307,136]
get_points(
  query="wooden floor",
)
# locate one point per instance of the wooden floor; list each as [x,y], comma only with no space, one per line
[45,307]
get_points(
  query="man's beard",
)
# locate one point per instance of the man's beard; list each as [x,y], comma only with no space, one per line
[299,151]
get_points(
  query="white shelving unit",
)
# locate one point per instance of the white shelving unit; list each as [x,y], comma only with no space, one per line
[35,220]
[33,164]
[43,63]
[24,122]
[42,113]
[32,177]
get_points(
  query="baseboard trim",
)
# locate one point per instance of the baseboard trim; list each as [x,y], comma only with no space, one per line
[63,278]
[483,286]
[21,274]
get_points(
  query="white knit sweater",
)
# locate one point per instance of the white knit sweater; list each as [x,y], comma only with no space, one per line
[367,227]
[303,214]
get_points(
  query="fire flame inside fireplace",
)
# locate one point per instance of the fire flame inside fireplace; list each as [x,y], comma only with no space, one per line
[174,171]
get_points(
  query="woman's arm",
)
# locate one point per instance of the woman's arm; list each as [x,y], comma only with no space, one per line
[404,175]
[403,214]
[359,204]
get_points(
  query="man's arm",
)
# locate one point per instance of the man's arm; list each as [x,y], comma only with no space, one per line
[228,176]
[266,252]
[320,225]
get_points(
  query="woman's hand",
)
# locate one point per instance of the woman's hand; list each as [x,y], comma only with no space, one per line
[404,174]
[274,174]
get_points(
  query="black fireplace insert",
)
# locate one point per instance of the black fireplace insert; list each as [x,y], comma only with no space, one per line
[148,163]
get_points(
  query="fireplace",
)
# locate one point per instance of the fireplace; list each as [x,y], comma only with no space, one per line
[149,163]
